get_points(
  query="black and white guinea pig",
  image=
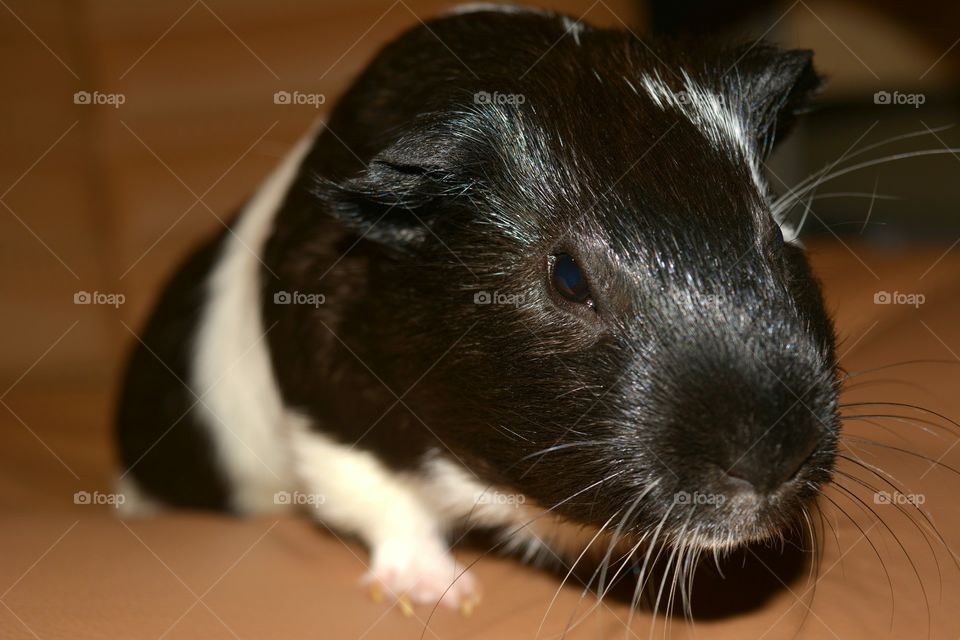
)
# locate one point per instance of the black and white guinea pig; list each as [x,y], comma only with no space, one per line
[526,279]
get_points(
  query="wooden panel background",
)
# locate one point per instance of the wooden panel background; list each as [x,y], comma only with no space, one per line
[105,199]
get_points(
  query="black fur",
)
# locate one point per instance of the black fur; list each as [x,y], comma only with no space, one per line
[708,348]
[162,443]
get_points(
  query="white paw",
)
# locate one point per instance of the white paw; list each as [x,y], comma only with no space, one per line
[419,572]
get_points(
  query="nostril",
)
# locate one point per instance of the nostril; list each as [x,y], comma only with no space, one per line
[739,479]
[764,473]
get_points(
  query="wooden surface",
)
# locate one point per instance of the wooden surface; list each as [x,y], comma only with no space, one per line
[103,198]
[75,571]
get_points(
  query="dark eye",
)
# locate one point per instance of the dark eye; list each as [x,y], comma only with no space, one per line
[569,280]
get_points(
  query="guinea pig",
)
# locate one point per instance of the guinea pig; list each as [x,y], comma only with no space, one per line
[526,279]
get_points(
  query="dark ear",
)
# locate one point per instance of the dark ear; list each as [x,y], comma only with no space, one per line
[395,198]
[777,85]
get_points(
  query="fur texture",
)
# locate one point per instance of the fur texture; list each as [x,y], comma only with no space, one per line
[419,359]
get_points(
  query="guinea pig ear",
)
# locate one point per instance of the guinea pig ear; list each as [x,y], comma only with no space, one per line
[778,85]
[394,199]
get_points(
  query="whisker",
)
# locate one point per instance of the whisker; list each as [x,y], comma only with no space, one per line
[780,203]
[903,363]
[506,539]
[903,549]
[861,383]
[868,419]
[615,538]
[810,576]
[907,452]
[923,534]
[642,577]
[876,552]
[684,548]
[904,405]
[604,565]
[854,194]
[873,163]
[927,518]
[876,145]
[570,572]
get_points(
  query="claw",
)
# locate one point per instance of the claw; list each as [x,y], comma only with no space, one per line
[467,605]
[406,607]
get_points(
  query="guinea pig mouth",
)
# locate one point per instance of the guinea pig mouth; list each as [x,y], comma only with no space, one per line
[733,512]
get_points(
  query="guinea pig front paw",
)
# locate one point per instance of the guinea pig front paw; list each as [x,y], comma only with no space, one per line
[415,572]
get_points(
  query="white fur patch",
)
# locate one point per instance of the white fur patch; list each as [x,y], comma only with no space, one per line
[232,371]
[478,7]
[791,234]
[573,27]
[136,503]
[711,115]
[351,490]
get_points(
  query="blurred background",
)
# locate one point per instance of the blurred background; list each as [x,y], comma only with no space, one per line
[133,130]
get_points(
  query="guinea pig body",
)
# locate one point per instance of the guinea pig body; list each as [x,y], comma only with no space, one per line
[526,279]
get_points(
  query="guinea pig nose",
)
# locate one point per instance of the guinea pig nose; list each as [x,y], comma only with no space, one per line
[766,471]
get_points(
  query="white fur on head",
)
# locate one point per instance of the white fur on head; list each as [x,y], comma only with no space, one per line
[710,113]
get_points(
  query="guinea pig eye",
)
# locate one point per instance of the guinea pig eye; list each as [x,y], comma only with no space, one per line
[569,280]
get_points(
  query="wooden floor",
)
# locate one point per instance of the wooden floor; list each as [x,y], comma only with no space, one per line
[119,193]
[286,579]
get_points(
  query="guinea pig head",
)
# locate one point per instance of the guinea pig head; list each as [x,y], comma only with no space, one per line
[578,274]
